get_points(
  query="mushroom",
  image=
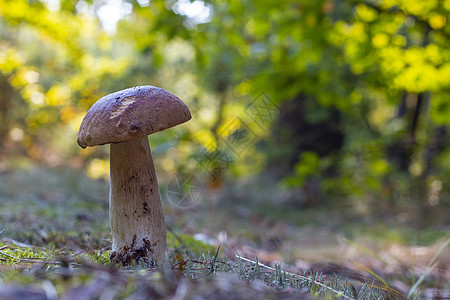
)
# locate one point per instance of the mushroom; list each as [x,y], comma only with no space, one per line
[124,119]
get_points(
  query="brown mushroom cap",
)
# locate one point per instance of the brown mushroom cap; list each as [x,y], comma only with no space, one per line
[131,114]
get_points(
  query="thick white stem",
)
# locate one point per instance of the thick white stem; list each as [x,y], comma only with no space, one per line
[135,207]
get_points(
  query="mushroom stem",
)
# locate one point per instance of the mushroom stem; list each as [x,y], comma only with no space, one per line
[135,207]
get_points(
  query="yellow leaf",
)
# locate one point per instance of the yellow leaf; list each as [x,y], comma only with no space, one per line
[437,21]
[380,40]
[366,13]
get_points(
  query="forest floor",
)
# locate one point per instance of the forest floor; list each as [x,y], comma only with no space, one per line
[54,240]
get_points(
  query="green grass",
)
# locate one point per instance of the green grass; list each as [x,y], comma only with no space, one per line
[68,229]
[39,268]
[44,268]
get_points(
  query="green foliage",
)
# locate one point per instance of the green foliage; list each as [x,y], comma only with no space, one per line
[308,165]
[381,69]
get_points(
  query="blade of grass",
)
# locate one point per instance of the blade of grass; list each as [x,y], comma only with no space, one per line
[386,286]
[430,267]
[213,262]
[364,249]
[371,273]
[371,253]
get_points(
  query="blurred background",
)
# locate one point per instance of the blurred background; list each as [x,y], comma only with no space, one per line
[313,121]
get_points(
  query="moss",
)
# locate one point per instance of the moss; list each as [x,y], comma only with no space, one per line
[12,254]
[185,243]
